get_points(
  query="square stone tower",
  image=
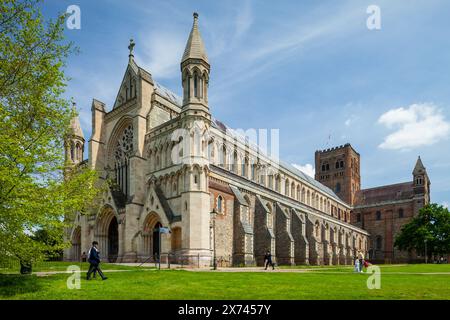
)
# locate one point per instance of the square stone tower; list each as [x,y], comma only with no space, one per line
[339,169]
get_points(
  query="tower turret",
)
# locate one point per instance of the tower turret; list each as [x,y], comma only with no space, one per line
[421,181]
[74,150]
[195,70]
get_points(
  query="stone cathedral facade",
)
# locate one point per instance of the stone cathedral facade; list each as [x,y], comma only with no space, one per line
[170,163]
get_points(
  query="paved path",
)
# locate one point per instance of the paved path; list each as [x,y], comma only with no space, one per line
[322,270]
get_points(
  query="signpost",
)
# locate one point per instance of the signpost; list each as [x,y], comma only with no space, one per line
[165,230]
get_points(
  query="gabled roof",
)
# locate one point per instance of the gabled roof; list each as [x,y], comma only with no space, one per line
[195,49]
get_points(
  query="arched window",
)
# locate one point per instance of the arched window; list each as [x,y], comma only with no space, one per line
[244,167]
[196,93]
[338,187]
[323,167]
[78,152]
[341,164]
[358,217]
[378,215]
[277,183]
[234,165]
[219,204]
[131,88]
[222,156]
[379,242]
[253,174]
[72,151]
[269,215]
[188,79]
[337,165]
[123,151]
[400,213]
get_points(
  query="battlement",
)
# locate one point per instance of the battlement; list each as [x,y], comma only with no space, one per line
[347,145]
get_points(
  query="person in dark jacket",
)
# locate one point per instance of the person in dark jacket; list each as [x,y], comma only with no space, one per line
[94,261]
[268,260]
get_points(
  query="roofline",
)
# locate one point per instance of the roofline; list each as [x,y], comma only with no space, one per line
[387,185]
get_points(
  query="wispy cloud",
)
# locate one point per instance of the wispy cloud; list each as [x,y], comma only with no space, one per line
[307,168]
[161,52]
[415,126]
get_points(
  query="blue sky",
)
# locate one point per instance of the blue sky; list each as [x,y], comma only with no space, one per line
[310,68]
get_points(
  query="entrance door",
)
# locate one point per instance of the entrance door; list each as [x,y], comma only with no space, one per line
[113,240]
[156,240]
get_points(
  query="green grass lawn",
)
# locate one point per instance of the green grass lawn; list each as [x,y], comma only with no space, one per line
[322,283]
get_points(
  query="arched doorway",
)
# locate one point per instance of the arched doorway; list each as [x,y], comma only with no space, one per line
[107,234]
[113,240]
[150,237]
[76,244]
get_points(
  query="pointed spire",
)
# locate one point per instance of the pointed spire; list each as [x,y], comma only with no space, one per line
[195,49]
[419,168]
[75,126]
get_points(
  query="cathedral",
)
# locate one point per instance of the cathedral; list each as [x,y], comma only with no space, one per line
[184,188]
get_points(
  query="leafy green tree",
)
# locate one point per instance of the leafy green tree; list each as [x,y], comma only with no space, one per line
[431,226]
[37,190]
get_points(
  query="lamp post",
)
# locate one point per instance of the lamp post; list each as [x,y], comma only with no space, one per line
[214,213]
[426,255]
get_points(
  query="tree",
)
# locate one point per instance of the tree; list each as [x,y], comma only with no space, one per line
[432,226]
[37,190]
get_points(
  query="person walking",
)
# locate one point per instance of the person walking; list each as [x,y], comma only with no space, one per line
[87,257]
[268,260]
[94,261]
[356,268]
[361,261]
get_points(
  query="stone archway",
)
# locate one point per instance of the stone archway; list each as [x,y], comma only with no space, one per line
[151,237]
[76,244]
[107,234]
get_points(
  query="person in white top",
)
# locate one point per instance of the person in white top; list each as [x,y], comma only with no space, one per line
[356,269]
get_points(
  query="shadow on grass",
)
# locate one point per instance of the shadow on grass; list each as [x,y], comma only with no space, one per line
[13,284]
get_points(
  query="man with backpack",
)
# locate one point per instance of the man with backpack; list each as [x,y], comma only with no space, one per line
[94,261]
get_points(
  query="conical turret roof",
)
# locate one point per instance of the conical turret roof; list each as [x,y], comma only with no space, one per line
[75,126]
[419,168]
[195,49]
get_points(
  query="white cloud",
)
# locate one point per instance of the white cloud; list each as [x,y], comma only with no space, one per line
[445,204]
[307,168]
[163,52]
[415,126]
